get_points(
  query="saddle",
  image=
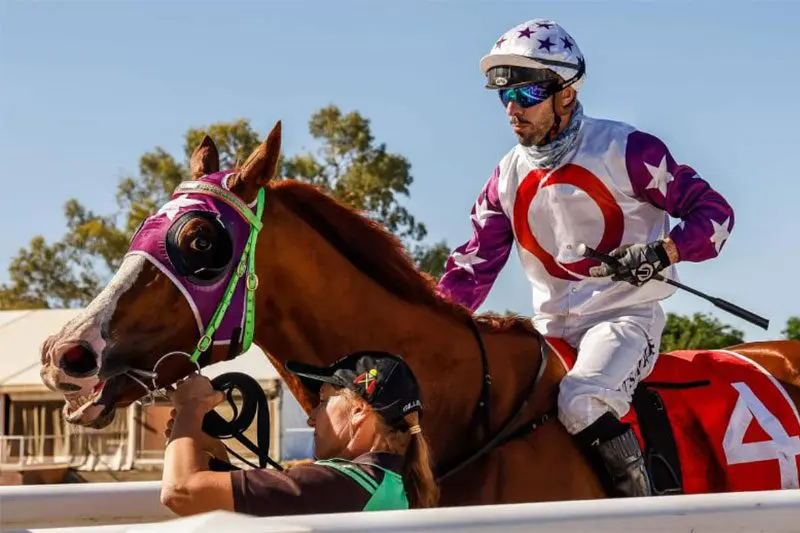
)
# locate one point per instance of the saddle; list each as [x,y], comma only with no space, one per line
[711,421]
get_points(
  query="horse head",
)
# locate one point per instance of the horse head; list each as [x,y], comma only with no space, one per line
[197,251]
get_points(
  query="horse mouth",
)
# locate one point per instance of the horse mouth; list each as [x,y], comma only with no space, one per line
[94,408]
[80,402]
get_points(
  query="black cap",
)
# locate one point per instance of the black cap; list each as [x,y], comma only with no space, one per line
[382,379]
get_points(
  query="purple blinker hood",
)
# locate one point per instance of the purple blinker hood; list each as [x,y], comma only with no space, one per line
[150,241]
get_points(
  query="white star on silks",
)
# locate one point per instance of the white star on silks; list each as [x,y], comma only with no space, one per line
[466,261]
[482,212]
[721,233]
[172,207]
[661,176]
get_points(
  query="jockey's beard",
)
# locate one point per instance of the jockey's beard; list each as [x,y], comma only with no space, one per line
[532,132]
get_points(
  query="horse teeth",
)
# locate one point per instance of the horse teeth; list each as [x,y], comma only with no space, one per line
[81,402]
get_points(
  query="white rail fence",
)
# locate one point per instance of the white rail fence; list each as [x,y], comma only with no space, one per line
[135,507]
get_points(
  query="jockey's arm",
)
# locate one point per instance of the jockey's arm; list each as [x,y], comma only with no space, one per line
[706,217]
[472,268]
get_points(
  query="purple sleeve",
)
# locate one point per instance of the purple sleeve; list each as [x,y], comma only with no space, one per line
[706,218]
[472,268]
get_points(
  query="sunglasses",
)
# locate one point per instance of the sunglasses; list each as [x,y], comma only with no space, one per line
[526,96]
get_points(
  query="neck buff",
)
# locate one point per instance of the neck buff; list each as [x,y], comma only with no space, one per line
[551,154]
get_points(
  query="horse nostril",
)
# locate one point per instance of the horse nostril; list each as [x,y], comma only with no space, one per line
[78,361]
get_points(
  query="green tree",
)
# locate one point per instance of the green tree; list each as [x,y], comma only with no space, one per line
[363,174]
[431,259]
[698,332]
[792,330]
[11,298]
[349,165]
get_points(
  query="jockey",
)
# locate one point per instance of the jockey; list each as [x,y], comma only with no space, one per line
[575,179]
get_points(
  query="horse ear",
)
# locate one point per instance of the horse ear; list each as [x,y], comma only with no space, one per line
[260,167]
[205,159]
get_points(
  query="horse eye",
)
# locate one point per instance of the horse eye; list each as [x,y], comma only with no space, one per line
[200,244]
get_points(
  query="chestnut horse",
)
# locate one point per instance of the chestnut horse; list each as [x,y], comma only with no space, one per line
[329,282]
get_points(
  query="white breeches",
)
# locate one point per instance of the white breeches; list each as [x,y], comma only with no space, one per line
[615,352]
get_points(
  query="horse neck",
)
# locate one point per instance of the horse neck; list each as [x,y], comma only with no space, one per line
[316,306]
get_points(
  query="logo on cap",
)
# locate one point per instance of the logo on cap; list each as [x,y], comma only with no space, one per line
[500,81]
[368,380]
[411,405]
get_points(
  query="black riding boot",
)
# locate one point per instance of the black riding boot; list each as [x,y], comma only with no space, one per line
[612,446]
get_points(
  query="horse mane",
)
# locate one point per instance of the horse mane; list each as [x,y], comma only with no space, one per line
[380,255]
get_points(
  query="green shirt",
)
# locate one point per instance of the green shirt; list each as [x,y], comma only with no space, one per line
[387,495]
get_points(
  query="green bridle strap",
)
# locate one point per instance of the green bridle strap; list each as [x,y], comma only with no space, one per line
[251,283]
[246,265]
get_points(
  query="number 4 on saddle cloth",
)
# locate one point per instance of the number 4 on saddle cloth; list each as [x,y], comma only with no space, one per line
[712,421]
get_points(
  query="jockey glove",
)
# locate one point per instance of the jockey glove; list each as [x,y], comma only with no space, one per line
[636,263]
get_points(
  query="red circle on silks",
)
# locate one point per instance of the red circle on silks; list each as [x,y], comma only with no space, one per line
[577,176]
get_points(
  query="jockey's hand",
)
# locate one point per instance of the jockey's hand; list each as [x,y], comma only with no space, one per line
[636,263]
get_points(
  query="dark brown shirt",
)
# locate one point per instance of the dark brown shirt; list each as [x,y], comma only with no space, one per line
[307,488]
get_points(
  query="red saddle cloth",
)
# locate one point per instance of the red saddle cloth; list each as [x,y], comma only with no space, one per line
[739,431]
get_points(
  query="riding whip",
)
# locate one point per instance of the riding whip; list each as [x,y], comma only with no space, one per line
[586,251]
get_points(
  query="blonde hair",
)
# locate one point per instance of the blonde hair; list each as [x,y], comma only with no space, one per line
[409,441]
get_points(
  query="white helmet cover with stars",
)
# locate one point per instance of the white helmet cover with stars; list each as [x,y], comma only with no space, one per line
[539,44]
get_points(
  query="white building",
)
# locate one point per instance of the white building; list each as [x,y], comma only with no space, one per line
[33,434]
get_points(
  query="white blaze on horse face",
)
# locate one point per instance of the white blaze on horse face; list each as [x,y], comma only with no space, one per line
[91,325]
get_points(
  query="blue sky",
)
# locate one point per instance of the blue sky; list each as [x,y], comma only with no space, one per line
[89,86]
